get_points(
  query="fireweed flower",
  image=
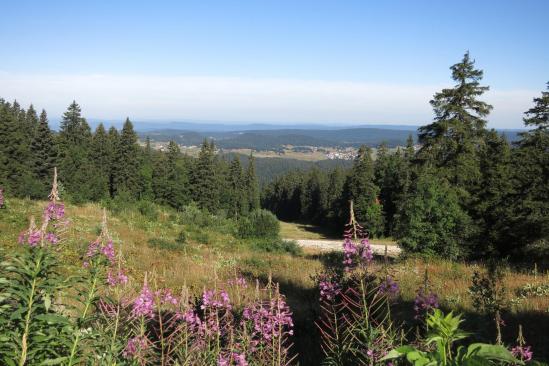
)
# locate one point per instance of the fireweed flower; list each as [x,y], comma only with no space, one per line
[365,251]
[329,287]
[52,238]
[271,319]
[233,358]
[1,197]
[349,252]
[54,211]
[523,353]
[108,251]
[424,303]
[389,287]
[143,305]
[135,347]
[119,278]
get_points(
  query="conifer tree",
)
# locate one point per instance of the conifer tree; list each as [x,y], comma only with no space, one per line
[44,153]
[113,142]
[530,219]
[146,172]
[204,179]
[489,207]
[252,185]
[100,154]
[31,122]
[450,142]
[126,174]
[361,189]
[238,202]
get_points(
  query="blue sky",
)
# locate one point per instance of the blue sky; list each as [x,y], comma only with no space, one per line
[271,61]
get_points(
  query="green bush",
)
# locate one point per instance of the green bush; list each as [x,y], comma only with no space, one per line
[276,245]
[147,209]
[259,224]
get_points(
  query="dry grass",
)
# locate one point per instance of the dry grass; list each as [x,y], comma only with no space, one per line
[200,265]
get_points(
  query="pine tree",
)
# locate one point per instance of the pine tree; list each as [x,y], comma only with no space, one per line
[100,154]
[530,220]
[114,141]
[146,172]
[361,189]
[490,201]
[31,122]
[126,174]
[204,179]
[450,142]
[252,185]
[238,200]
[44,153]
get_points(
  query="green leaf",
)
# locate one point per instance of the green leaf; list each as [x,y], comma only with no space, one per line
[56,361]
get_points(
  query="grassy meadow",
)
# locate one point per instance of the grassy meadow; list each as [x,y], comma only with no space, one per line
[196,250]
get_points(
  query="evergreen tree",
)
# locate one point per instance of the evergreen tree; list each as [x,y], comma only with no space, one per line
[530,219]
[489,206]
[204,179]
[113,142]
[126,174]
[314,199]
[146,172]
[44,154]
[252,185]
[101,154]
[450,142]
[361,189]
[335,202]
[238,204]
[432,222]
[31,122]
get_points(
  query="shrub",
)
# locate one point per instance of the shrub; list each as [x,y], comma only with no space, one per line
[166,244]
[259,224]
[277,245]
[148,210]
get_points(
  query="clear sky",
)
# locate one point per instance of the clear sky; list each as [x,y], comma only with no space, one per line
[269,61]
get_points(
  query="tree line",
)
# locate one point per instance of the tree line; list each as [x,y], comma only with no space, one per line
[107,164]
[466,191]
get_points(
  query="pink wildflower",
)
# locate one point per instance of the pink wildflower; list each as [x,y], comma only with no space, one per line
[143,305]
[135,347]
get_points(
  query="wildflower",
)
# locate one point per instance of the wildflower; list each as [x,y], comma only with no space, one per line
[329,288]
[135,347]
[237,359]
[269,319]
[366,251]
[424,303]
[166,297]
[238,282]
[349,251]
[143,305]
[116,279]
[54,211]
[34,238]
[52,238]
[523,353]
[108,251]
[1,197]
[389,287]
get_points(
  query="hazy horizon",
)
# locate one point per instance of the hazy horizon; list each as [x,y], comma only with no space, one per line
[271,62]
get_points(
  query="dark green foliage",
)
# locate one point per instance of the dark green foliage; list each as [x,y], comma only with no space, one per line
[238,200]
[431,220]
[276,245]
[170,178]
[101,155]
[362,190]
[259,224]
[450,142]
[166,244]
[44,152]
[204,178]
[127,154]
[252,185]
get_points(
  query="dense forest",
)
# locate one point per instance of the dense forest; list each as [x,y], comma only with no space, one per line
[467,191]
[106,165]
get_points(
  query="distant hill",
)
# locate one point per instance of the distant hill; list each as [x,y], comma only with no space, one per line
[274,139]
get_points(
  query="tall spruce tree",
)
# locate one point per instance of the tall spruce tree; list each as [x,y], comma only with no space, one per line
[451,141]
[113,142]
[127,161]
[252,185]
[44,153]
[238,200]
[362,190]
[204,178]
[530,208]
[101,154]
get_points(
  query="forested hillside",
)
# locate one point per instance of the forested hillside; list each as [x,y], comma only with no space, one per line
[467,192]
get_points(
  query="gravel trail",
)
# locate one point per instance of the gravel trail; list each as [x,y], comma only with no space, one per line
[337,245]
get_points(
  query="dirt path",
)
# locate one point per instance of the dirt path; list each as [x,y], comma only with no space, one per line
[337,245]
